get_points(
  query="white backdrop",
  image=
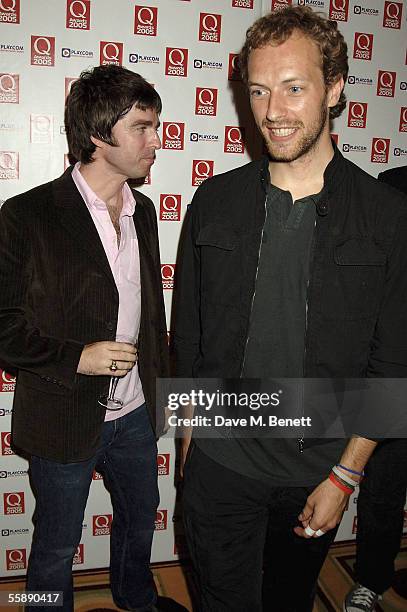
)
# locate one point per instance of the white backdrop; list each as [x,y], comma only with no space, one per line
[186,48]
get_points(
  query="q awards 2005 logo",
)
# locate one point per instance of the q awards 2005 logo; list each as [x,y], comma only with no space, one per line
[233,139]
[234,69]
[339,10]
[363,46]
[111,53]
[6,443]
[403,119]
[170,207]
[202,169]
[7,381]
[386,83]
[380,150]
[78,14]
[9,165]
[357,114]
[145,20]
[161,520]
[163,464]
[206,101]
[9,11]
[176,62]
[167,275]
[101,524]
[173,135]
[209,27]
[392,15]
[41,129]
[278,5]
[247,4]
[9,88]
[42,50]
[79,556]
[16,559]
[13,503]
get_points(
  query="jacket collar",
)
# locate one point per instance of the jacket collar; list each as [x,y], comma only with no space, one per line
[332,178]
[75,218]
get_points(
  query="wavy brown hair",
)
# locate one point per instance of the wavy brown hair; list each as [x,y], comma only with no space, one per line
[275,28]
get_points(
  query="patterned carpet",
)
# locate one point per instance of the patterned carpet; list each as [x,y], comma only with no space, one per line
[337,578]
[92,592]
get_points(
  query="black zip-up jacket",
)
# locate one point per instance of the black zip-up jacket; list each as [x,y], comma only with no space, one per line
[357,295]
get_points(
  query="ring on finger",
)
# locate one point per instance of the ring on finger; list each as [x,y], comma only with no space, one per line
[113,366]
[309,531]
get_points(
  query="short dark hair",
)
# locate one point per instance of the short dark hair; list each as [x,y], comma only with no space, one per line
[97,100]
[275,28]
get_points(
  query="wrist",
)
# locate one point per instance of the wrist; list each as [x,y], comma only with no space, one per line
[345,488]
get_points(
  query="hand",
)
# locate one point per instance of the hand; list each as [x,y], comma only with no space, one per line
[323,510]
[97,358]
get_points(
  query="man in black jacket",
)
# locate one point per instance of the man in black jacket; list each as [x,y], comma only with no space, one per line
[381,500]
[291,267]
[81,284]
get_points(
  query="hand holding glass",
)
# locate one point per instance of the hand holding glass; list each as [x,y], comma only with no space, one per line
[110,401]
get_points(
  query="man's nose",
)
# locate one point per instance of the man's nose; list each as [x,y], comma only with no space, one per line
[156,141]
[276,108]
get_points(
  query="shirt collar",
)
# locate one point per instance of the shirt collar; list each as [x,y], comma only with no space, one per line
[93,202]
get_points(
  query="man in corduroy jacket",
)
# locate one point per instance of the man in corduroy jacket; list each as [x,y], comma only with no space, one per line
[81,287]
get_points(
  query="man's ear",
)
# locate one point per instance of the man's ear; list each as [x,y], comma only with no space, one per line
[98,143]
[334,92]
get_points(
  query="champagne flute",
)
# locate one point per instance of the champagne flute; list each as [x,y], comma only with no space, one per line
[110,401]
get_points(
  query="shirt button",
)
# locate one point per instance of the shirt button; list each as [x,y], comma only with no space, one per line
[110,326]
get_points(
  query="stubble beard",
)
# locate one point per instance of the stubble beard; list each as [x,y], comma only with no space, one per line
[305,145]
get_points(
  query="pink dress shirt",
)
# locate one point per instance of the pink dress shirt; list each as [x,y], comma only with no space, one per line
[125,265]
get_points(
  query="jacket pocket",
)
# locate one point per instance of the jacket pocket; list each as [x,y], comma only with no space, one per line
[354,284]
[220,265]
[218,236]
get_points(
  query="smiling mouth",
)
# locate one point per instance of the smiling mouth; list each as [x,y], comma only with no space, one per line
[283,131]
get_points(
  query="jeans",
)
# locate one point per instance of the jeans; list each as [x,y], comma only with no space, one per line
[237,527]
[127,459]
[381,502]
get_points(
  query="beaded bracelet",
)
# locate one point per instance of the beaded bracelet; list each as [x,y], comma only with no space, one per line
[340,486]
[345,477]
[343,467]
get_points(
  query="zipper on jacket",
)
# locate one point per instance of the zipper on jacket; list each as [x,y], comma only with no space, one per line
[255,284]
[301,439]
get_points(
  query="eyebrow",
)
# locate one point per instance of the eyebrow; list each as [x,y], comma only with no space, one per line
[146,123]
[286,81]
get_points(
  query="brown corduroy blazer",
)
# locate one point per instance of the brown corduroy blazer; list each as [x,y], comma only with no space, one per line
[57,293]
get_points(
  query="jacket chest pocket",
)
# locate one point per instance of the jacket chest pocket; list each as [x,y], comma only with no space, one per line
[220,263]
[354,283]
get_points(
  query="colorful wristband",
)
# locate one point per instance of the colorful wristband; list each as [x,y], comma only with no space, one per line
[347,479]
[340,486]
[343,467]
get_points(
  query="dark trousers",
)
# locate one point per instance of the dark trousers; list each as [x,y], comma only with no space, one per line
[127,459]
[235,526]
[381,502]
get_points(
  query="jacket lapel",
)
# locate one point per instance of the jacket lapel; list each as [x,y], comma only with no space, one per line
[75,218]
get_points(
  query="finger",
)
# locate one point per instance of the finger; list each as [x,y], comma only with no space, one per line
[123,356]
[118,373]
[125,347]
[306,513]
[319,533]
[300,532]
[119,366]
